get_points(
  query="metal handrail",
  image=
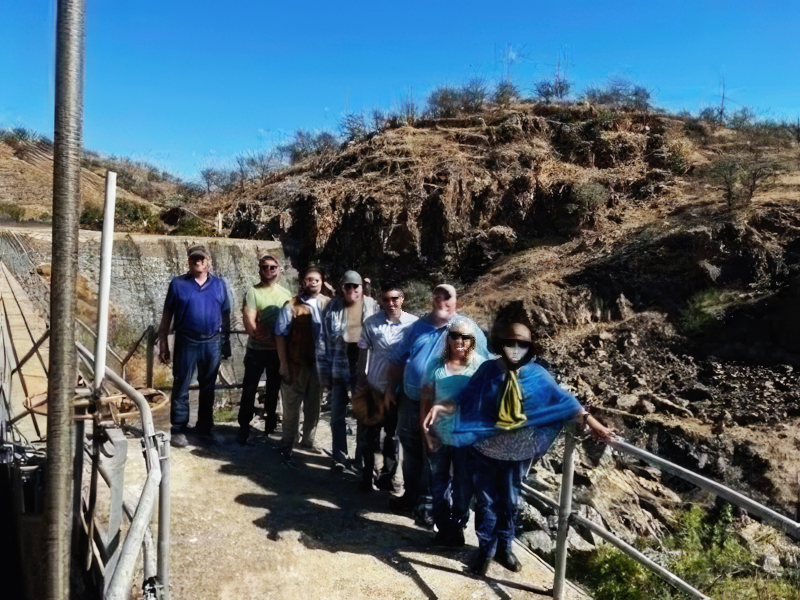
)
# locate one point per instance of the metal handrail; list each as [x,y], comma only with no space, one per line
[567,516]
[122,577]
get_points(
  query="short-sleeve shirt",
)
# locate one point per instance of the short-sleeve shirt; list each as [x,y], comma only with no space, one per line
[380,336]
[267,302]
[197,310]
[422,345]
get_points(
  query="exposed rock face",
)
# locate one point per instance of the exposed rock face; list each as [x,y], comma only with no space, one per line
[451,196]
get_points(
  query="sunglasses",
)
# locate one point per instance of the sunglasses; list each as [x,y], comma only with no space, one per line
[516,344]
[269,267]
[352,286]
[455,336]
[392,298]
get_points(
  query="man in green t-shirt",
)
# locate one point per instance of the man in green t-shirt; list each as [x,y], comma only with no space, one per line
[262,304]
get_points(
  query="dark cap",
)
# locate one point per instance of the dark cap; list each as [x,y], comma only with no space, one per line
[517,331]
[195,251]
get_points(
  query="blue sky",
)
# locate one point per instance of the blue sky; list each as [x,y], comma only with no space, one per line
[185,84]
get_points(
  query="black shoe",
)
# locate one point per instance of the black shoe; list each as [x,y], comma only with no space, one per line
[337,467]
[205,434]
[480,564]
[508,560]
[365,485]
[449,538]
[423,517]
[241,437]
[384,482]
[404,503]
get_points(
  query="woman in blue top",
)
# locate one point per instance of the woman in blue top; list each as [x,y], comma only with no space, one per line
[510,413]
[442,385]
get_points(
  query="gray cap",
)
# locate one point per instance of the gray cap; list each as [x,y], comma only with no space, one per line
[198,251]
[351,277]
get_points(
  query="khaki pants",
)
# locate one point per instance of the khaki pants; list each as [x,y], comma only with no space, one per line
[305,391]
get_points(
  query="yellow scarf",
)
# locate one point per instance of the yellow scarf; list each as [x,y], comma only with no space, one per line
[510,415]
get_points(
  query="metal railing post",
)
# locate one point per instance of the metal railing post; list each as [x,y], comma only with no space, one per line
[564,514]
[151,341]
[163,519]
[104,285]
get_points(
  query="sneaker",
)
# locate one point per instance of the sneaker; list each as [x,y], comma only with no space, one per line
[508,560]
[480,563]
[178,440]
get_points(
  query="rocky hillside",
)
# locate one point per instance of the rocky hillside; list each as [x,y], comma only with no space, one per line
[658,258]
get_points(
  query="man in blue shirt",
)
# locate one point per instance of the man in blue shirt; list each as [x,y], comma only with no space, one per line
[422,344]
[199,309]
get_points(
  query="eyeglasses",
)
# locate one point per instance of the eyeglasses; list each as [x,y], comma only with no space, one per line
[388,299]
[269,267]
[352,286]
[516,344]
[455,336]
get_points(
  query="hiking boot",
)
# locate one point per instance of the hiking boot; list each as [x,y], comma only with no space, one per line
[480,563]
[178,440]
[508,560]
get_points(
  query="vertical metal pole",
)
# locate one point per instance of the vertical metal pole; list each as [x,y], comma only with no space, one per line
[163,519]
[104,285]
[151,341]
[68,143]
[564,512]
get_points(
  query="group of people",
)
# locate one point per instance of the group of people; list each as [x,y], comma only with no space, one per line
[471,414]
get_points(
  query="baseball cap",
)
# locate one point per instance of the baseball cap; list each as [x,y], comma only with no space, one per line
[198,251]
[351,277]
[268,256]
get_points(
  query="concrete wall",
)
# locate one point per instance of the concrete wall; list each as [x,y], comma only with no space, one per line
[142,268]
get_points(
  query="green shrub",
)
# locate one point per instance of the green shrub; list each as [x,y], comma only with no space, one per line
[505,92]
[619,91]
[15,211]
[590,196]
[192,226]
[703,550]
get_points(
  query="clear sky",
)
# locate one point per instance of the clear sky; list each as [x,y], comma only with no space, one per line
[183,84]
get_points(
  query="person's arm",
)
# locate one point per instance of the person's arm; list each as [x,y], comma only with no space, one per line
[166,323]
[395,376]
[249,317]
[163,335]
[283,327]
[324,350]
[600,433]
[225,311]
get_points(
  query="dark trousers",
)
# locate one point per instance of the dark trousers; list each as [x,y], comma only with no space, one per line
[204,355]
[416,470]
[497,485]
[255,363]
[451,486]
[369,442]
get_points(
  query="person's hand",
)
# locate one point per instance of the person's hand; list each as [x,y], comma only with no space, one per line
[598,431]
[163,351]
[225,350]
[285,373]
[389,398]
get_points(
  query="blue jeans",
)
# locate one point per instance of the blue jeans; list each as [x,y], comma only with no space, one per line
[255,363]
[497,484]
[451,496]
[190,354]
[416,470]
